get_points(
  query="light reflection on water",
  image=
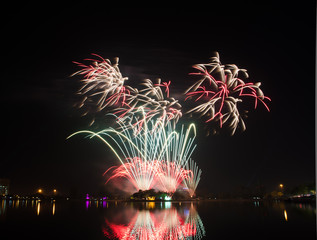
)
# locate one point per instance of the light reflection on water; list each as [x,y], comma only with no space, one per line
[34,204]
[157,220]
[145,220]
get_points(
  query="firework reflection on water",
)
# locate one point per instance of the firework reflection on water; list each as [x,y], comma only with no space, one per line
[163,221]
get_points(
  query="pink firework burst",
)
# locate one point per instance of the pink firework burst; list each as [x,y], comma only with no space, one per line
[144,175]
[170,176]
[141,174]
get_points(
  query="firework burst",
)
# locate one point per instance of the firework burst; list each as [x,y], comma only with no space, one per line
[219,90]
[141,174]
[102,80]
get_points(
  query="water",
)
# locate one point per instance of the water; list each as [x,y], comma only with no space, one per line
[26,219]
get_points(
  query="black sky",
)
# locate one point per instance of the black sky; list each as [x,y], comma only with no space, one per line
[275,42]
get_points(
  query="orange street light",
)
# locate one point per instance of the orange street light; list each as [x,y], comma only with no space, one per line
[40,190]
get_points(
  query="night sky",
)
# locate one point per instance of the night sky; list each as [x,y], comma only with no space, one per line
[275,42]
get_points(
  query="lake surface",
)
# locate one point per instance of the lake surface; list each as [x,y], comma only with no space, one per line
[26,219]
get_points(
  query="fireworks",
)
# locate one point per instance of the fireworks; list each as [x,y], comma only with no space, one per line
[155,156]
[219,90]
[102,80]
[191,182]
[104,86]
[152,152]
[144,175]
[141,174]
[171,176]
[156,105]
[217,94]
